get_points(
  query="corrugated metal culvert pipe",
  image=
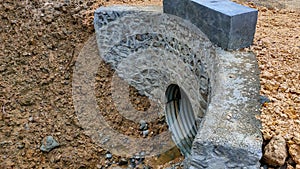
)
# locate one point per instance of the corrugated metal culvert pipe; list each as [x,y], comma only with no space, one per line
[180,118]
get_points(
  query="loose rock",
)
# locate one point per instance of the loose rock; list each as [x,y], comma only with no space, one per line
[108,156]
[132,163]
[123,161]
[145,133]
[294,151]
[21,145]
[275,151]
[143,125]
[49,144]
[264,99]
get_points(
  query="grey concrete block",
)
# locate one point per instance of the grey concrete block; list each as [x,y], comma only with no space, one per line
[227,24]
[175,7]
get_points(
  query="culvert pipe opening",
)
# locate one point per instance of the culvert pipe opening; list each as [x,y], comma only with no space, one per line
[180,118]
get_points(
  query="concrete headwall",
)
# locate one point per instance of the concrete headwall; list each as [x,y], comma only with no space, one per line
[151,50]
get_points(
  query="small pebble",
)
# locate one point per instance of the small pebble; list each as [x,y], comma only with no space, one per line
[143,154]
[108,156]
[264,99]
[145,133]
[137,157]
[26,126]
[147,167]
[105,140]
[21,145]
[264,167]
[132,163]
[143,125]
[229,115]
[30,119]
[123,161]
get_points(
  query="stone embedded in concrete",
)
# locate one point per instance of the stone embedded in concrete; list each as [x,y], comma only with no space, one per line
[104,15]
[227,24]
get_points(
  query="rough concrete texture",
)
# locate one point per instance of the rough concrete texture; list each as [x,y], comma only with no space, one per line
[275,151]
[151,50]
[144,51]
[227,24]
[229,135]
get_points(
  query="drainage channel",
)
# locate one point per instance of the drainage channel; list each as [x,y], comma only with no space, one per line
[180,118]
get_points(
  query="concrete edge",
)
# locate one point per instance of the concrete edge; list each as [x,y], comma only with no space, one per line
[229,136]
